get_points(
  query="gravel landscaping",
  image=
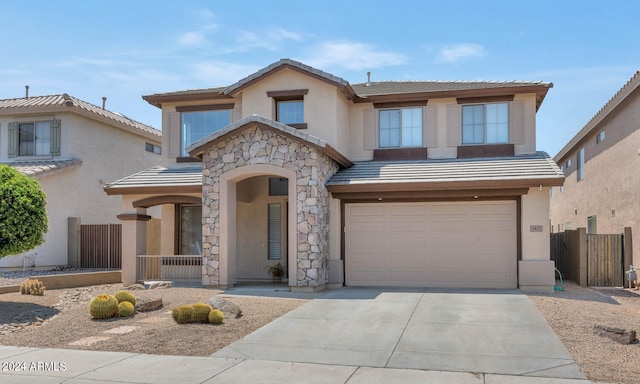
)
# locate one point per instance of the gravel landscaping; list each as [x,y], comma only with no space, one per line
[574,313]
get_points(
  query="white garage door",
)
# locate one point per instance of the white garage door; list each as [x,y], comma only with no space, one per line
[460,244]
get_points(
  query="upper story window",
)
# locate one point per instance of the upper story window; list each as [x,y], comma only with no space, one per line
[290,107]
[600,137]
[290,112]
[198,124]
[485,124]
[400,127]
[568,163]
[153,148]
[33,139]
[580,164]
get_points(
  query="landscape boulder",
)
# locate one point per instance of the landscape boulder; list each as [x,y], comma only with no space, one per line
[229,309]
[619,335]
[146,305]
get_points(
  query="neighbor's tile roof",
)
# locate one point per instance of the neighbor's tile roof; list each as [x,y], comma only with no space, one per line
[160,176]
[41,168]
[522,167]
[61,102]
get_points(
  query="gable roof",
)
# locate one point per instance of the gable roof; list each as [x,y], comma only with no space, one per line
[67,103]
[198,147]
[632,85]
[521,171]
[42,168]
[365,92]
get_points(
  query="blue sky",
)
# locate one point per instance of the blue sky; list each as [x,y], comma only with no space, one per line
[125,49]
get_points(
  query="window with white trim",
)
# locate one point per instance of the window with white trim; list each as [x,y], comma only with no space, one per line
[485,124]
[400,127]
[199,124]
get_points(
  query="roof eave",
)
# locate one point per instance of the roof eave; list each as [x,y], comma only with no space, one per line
[158,99]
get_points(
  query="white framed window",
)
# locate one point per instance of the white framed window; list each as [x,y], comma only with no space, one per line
[580,164]
[400,127]
[600,137]
[568,163]
[485,124]
[198,124]
[290,111]
[153,148]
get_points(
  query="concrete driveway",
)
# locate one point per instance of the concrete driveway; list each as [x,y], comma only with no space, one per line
[488,331]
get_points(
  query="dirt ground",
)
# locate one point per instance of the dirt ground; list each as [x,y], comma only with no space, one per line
[61,319]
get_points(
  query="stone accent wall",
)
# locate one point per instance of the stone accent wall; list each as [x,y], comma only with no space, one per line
[259,145]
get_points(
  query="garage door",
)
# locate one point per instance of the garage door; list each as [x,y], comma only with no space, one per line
[461,244]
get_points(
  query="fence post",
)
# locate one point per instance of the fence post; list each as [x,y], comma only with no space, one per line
[627,253]
[582,257]
[73,242]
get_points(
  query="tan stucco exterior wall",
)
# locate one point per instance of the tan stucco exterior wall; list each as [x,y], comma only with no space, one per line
[610,190]
[107,154]
[535,269]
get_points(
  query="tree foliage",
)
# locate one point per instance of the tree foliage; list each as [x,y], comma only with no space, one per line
[23,215]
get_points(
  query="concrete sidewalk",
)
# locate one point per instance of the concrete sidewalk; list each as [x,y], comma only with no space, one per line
[45,366]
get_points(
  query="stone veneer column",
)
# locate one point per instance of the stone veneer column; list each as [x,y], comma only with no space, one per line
[313,168]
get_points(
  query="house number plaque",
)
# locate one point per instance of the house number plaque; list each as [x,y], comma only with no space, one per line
[535,228]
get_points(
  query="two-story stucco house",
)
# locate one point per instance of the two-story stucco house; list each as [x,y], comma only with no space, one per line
[399,183]
[601,165]
[72,148]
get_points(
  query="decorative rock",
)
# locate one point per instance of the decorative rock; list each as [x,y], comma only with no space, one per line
[134,287]
[228,308]
[616,334]
[160,285]
[146,305]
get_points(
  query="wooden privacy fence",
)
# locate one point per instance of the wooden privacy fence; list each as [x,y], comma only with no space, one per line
[605,265]
[592,259]
[101,246]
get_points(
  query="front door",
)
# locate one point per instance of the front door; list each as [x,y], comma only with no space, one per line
[190,239]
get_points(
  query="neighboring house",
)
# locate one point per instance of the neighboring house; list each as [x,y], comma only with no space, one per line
[398,183]
[72,148]
[601,164]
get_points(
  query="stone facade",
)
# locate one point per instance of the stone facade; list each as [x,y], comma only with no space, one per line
[261,145]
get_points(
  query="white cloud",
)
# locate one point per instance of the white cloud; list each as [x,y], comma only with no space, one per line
[353,55]
[192,38]
[220,73]
[461,51]
[271,39]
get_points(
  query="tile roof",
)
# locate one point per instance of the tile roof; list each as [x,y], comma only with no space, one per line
[523,167]
[400,87]
[64,102]
[282,63]
[159,176]
[41,168]
[632,85]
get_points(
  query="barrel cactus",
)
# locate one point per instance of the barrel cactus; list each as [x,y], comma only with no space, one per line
[183,314]
[216,316]
[103,307]
[125,309]
[200,313]
[32,287]
[125,296]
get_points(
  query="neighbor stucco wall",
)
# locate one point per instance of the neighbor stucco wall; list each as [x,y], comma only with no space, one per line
[610,187]
[107,154]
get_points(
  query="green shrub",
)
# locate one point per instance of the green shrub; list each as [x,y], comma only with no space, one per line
[23,215]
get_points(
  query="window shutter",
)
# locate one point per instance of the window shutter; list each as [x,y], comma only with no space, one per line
[55,137]
[430,126]
[454,125]
[516,122]
[236,114]
[370,128]
[172,128]
[13,139]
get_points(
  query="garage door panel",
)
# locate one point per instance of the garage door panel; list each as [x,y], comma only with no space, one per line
[459,244]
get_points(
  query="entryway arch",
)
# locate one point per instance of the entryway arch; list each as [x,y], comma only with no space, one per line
[228,217]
